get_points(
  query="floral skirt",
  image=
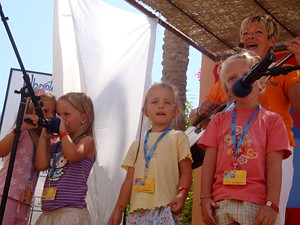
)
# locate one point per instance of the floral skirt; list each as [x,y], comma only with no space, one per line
[159,216]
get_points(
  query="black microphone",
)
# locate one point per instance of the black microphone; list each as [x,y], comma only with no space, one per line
[243,86]
[241,45]
[51,125]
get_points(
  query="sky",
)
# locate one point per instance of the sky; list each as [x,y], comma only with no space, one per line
[31,25]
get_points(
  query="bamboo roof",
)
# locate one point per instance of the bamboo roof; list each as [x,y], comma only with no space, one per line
[212,26]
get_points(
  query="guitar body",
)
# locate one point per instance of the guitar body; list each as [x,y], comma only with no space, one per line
[196,151]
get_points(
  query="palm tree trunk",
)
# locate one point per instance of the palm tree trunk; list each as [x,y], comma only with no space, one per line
[175,63]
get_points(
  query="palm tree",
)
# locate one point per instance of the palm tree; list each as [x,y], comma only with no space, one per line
[175,63]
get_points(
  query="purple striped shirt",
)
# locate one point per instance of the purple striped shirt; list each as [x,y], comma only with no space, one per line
[70,179]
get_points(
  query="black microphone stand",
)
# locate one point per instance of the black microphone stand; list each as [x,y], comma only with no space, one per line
[26,91]
[276,71]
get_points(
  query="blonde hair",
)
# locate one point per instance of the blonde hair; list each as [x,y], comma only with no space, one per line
[164,85]
[250,57]
[44,95]
[265,20]
[174,90]
[83,104]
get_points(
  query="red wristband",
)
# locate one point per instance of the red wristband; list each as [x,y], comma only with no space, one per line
[184,189]
[273,206]
[63,134]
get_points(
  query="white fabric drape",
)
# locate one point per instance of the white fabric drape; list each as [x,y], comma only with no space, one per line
[107,53]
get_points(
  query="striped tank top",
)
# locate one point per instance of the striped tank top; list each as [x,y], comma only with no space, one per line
[70,179]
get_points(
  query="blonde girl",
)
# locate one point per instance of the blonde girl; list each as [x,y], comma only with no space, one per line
[158,165]
[69,162]
[244,149]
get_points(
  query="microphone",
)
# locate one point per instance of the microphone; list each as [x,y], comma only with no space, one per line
[241,45]
[243,86]
[51,125]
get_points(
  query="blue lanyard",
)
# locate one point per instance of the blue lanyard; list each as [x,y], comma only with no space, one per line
[245,130]
[151,152]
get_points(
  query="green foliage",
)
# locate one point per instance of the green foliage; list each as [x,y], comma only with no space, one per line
[188,109]
[186,215]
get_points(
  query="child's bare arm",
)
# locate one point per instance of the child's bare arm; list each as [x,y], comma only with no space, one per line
[123,199]
[185,182]
[7,142]
[267,215]
[207,178]
[42,155]
[75,152]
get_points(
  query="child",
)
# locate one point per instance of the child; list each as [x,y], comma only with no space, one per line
[158,166]
[69,161]
[24,177]
[241,177]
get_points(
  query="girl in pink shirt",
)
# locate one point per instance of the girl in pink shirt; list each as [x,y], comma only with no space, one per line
[24,177]
[245,146]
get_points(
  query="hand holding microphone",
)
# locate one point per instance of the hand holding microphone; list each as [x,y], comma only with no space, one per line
[51,125]
[243,86]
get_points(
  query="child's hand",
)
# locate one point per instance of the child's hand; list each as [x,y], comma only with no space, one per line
[116,216]
[207,206]
[46,135]
[63,124]
[33,125]
[266,215]
[177,204]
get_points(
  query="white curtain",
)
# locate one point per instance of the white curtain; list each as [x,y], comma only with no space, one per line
[107,53]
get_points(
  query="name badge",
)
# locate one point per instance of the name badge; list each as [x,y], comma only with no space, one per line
[49,193]
[235,177]
[27,196]
[144,185]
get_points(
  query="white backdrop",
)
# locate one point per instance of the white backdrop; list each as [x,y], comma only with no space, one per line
[107,53]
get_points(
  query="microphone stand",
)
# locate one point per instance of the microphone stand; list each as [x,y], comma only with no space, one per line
[25,92]
[276,71]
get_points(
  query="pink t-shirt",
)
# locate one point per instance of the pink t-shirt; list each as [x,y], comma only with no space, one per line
[22,169]
[267,133]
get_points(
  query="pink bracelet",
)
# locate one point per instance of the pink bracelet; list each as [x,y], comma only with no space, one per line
[183,189]
[63,134]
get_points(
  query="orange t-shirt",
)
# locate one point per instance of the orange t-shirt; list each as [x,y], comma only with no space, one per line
[273,98]
[216,93]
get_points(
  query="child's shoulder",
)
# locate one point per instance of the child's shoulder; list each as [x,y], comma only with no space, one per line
[178,134]
[87,138]
[269,113]
[89,141]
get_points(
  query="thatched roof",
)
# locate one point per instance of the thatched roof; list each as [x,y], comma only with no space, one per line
[212,26]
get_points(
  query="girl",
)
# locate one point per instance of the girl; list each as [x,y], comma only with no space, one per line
[69,161]
[158,166]
[259,33]
[24,177]
[241,175]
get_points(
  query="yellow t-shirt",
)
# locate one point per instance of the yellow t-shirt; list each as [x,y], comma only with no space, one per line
[163,168]
[273,98]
